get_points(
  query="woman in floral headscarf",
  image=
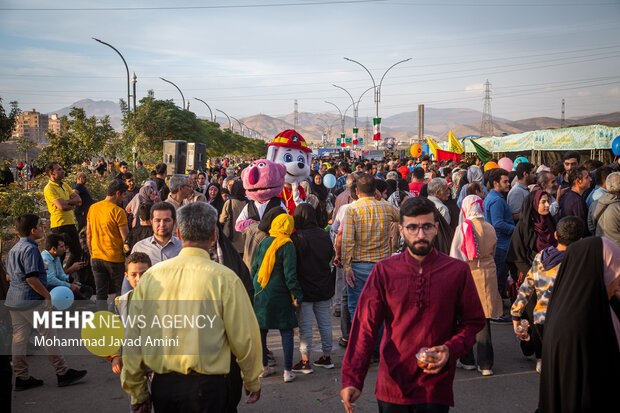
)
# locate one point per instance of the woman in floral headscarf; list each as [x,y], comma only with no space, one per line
[474,242]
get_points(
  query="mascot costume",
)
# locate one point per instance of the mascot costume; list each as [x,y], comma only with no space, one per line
[263,181]
[290,149]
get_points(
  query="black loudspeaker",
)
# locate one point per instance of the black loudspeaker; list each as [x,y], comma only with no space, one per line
[196,156]
[175,156]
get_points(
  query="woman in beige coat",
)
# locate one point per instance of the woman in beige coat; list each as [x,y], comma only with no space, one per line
[474,242]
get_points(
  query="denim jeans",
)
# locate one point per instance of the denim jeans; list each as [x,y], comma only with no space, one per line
[287,347]
[108,278]
[361,270]
[484,350]
[305,316]
[502,269]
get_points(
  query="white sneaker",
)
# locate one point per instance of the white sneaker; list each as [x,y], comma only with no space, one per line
[267,371]
[485,372]
[465,366]
[288,376]
[538,366]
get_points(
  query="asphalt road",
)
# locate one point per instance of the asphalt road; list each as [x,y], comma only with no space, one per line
[513,388]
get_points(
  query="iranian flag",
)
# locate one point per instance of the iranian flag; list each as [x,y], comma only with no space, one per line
[355,136]
[342,140]
[376,122]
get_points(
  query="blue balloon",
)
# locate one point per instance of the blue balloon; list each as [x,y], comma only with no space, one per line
[615,146]
[517,161]
[329,181]
[62,297]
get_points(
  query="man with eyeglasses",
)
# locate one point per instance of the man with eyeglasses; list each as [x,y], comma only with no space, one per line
[424,298]
[181,187]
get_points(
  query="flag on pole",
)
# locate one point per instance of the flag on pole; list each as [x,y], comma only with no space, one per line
[484,155]
[376,122]
[447,155]
[453,144]
[342,140]
[432,145]
[355,136]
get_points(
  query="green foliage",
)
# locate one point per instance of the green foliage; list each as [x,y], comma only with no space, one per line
[24,145]
[15,200]
[81,138]
[7,122]
[157,120]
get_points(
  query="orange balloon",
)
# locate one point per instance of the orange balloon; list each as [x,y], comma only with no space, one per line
[490,165]
[416,150]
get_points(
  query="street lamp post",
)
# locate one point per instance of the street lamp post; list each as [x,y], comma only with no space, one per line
[126,68]
[355,111]
[342,119]
[209,107]
[239,123]
[182,97]
[228,117]
[377,120]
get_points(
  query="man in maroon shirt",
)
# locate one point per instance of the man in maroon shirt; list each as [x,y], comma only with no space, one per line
[424,299]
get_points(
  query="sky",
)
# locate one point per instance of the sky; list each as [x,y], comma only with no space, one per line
[246,57]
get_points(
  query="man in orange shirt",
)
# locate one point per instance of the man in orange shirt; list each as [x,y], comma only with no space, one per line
[106,230]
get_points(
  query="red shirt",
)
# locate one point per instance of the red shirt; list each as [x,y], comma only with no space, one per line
[287,196]
[419,310]
[415,187]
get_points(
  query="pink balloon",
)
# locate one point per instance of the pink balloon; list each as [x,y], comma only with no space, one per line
[505,163]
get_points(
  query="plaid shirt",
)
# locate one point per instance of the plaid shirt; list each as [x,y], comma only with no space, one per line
[366,231]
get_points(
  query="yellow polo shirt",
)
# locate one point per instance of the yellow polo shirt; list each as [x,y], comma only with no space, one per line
[193,277]
[105,218]
[52,192]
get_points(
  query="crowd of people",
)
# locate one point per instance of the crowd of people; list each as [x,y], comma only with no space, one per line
[417,259]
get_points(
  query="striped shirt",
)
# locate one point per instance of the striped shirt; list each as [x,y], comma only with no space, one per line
[366,231]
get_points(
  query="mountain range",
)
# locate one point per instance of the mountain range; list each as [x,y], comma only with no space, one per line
[402,126]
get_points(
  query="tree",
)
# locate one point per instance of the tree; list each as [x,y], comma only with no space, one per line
[81,138]
[7,122]
[24,145]
[157,120]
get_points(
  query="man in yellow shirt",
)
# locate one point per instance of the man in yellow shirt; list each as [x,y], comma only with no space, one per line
[106,230]
[188,380]
[61,200]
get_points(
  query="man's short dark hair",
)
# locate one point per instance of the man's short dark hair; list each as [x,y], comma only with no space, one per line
[570,229]
[49,168]
[126,176]
[424,158]
[366,184]
[523,169]
[600,175]
[52,240]
[144,212]
[138,257]
[474,187]
[570,155]
[495,175]
[164,206]
[592,164]
[25,223]
[381,185]
[418,172]
[116,186]
[139,162]
[122,163]
[345,168]
[161,168]
[417,206]
[575,173]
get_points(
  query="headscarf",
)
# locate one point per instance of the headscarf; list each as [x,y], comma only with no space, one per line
[542,224]
[216,202]
[305,217]
[392,186]
[471,208]
[281,229]
[320,190]
[237,191]
[474,174]
[397,198]
[143,193]
[456,182]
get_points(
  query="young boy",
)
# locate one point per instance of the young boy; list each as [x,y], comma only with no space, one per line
[135,265]
[56,276]
[541,277]
[27,294]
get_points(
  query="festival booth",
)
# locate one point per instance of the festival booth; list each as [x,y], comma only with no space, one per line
[545,146]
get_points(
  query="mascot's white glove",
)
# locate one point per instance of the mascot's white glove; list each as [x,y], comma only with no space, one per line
[295,192]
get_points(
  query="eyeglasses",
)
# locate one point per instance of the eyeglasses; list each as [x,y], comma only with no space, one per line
[414,229]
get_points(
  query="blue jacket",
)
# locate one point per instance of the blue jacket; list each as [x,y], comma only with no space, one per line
[497,213]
